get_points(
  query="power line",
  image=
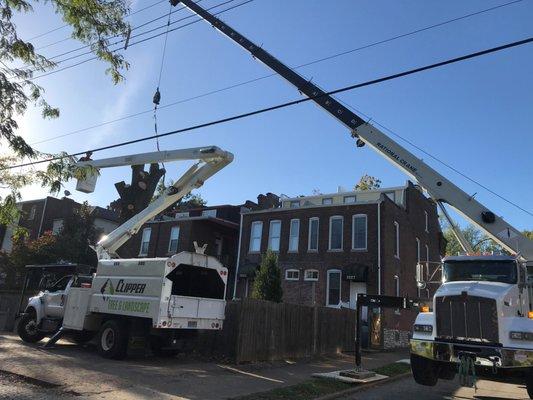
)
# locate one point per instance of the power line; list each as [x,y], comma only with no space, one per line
[66,25]
[330,57]
[316,61]
[143,40]
[291,103]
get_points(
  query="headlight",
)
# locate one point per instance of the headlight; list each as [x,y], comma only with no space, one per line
[521,336]
[423,328]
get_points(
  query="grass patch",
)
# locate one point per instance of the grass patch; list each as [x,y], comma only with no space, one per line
[303,391]
[393,369]
[317,387]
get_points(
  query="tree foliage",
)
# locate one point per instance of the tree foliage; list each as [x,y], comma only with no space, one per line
[94,23]
[71,244]
[479,241]
[368,182]
[267,284]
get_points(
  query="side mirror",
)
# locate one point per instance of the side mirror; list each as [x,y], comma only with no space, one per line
[420,283]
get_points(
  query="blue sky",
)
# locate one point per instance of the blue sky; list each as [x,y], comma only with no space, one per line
[476,115]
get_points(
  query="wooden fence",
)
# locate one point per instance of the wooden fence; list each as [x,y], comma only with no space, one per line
[256,330]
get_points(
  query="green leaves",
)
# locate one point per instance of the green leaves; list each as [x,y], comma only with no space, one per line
[94,22]
[267,283]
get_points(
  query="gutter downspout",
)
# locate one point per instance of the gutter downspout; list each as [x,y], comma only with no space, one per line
[42,217]
[238,260]
[379,246]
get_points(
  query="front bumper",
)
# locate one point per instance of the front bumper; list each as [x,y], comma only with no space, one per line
[487,356]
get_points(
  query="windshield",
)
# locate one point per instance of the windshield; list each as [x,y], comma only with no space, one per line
[492,271]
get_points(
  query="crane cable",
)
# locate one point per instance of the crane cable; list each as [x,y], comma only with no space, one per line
[157,95]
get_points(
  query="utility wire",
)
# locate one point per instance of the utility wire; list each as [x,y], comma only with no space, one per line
[323,59]
[143,40]
[294,102]
[331,93]
[66,25]
[330,57]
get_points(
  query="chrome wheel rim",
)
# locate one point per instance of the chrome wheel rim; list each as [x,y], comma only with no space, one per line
[108,339]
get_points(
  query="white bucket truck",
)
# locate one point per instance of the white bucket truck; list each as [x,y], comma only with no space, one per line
[159,299]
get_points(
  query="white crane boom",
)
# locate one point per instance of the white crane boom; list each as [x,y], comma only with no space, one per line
[211,159]
[438,187]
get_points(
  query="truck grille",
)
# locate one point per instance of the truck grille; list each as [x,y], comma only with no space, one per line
[467,318]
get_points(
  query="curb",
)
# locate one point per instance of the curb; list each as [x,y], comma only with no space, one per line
[363,387]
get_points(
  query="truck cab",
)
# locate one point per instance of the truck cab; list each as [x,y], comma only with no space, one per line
[483,315]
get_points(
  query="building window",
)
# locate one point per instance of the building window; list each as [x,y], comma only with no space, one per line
[311,275]
[295,203]
[313,234]
[397,285]
[334,288]
[145,241]
[417,250]
[396,239]
[57,225]
[391,195]
[349,199]
[294,234]
[33,210]
[326,201]
[255,236]
[426,219]
[335,233]
[274,235]
[427,253]
[209,213]
[292,275]
[173,242]
[359,232]
[182,215]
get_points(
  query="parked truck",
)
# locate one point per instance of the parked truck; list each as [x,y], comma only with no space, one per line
[156,299]
[483,313]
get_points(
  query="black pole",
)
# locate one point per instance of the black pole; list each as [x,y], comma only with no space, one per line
[358,333]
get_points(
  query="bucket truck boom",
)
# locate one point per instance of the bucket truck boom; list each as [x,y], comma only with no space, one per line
[210,160]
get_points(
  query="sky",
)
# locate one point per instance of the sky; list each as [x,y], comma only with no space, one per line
[476,115]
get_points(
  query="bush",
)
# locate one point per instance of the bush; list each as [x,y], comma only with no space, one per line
[267,284]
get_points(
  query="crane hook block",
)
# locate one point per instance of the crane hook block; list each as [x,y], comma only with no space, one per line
[157,97]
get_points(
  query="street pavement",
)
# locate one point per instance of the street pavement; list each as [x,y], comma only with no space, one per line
[80,373]
[407,389]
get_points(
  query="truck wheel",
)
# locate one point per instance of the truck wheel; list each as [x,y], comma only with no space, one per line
[81,337]
[113,340]
[27,328]
[529,384]
[424,371]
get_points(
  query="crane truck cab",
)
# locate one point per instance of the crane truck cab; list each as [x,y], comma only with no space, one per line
[482,320]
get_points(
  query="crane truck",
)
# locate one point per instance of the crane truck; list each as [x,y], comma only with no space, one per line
[159,299]
[483,311]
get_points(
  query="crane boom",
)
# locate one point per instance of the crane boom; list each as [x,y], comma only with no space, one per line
[437,186]
[211,159]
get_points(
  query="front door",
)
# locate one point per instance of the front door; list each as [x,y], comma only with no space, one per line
[355,289]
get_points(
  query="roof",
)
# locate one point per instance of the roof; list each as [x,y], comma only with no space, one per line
[353,192]
[216,220]
[479,258]
[104,213]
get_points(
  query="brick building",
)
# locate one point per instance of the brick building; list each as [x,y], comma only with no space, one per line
[42,215]
[168,234]
[332,247]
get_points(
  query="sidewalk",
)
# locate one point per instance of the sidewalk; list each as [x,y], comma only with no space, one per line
[81,371]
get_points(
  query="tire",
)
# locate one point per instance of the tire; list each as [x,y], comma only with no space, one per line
[424,371]
[447,372]
[529,384]
[158,344]
[113,339]
[27,329]
[82,337]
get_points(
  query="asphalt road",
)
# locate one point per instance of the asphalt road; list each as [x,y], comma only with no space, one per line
[407,389]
